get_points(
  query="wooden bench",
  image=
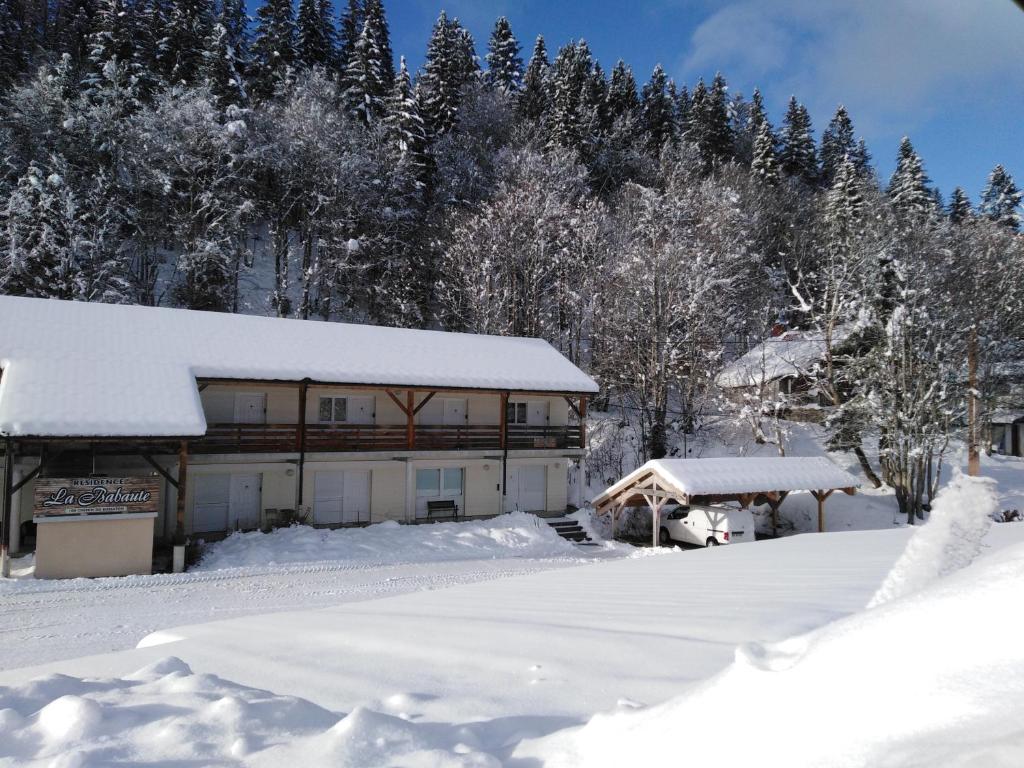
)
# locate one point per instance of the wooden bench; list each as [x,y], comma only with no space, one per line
[446,508]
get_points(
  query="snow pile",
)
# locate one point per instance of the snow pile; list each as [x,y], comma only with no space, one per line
[961,516]
[513,535]
[933,678]
[167,714]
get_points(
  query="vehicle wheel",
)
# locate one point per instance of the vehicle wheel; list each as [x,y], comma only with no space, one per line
[711,542]
[663,537]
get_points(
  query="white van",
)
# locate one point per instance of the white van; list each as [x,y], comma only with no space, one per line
[706,525]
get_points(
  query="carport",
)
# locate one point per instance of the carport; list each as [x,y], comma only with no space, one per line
[747,481]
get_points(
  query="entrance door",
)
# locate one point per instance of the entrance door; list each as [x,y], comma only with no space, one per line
[341,497]
[244,503]
[454,412]
[537,413]
[527,489]
[250,408]
[360,410]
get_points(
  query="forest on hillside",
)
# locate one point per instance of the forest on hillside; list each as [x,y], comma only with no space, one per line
[154,151]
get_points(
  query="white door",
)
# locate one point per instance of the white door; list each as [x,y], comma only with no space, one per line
[250,408]
[244,506]
[356,496]
[527,489]
[341,497]
[454,412]
[537,413]
[360,410]
[212,498]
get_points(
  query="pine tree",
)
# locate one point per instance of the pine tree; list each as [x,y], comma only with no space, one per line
[273,47]
[535,97]
[959,209]
[222,70]
[504,64]
[765,165]
[348,32]
[909,187]
[837,143]
[74,22]
[405,124]
[571,121]
[622,95]
[862,160]
[370,73]
[684,108]
[844,205]
[656,112]
[188,29]
[798,157]
[314,34]
[709,127]
[1000,200]
[112,41]
[450,65]
[41,237]
[14,48]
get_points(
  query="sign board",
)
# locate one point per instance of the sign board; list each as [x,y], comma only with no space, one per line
[55,496]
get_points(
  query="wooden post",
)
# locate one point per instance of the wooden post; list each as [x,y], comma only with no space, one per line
[301,438]
[503,420]
[583,421]
[5,522]
[410,423]
[179,527]
[821,496]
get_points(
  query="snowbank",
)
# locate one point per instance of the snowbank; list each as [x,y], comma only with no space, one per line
[933,678]
[513,535]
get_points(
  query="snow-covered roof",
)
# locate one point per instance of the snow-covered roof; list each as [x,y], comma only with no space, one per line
[732,475]
[1006,417]
[794,353]
[72,368]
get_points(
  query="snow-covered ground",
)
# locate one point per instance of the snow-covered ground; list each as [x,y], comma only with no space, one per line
[290,568]
[480,674]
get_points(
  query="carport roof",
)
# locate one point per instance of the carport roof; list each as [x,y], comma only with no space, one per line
[732,476]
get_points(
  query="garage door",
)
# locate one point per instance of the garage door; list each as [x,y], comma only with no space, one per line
[341,497]
[226,502]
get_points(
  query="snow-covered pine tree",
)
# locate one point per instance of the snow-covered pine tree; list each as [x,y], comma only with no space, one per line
[798,157]
[837,143]
[1000,200]
[188,29]
[622,95]
[657,113]
[369,76]
[105,261]
[222,69]
[747,120]
[73,23]
[862,160]
[764,166]
[273,47]
[710,128]
[14,48]
[909,186]
[959,209]
[504,63]
[450,65]
[112,41]
[534,99]
[405,124]
[314,34]
[41,234]
[684,107]
[349,28]
[573,121]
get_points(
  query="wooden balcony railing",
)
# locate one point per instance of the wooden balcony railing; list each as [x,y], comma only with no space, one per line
[284,438]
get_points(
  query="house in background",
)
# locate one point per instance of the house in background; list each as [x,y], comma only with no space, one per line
[232,422]
[785,368]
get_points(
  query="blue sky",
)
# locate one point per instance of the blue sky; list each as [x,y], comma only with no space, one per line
[948,73]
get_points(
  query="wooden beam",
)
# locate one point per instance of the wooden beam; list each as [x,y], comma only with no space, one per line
[44,461]
[410,423]
[301,441]
[399,403]
[572,405]
[179,525]
[163,472]
[423,402]
[583,421]
[503,421]
[209,381]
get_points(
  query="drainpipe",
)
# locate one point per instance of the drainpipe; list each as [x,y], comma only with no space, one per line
[302,441]
[504,451]
[5,523]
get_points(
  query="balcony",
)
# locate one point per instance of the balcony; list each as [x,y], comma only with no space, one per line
[351,438]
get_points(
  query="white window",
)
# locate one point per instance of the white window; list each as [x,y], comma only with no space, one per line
[333,410]
[516,413]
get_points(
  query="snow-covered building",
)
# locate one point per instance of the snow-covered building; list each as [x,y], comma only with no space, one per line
[262,419]
[784,367]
